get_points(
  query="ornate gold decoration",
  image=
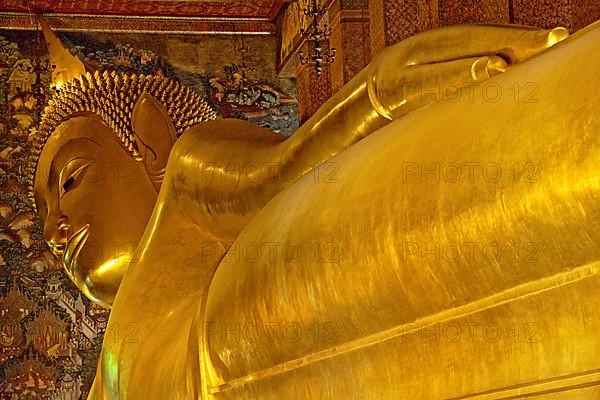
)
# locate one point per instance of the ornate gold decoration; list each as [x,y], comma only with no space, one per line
[112,97]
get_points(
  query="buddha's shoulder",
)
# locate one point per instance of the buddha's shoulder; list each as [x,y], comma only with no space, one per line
[230,129]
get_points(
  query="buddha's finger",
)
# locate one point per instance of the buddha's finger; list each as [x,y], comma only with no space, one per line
[513,43]
[396,94]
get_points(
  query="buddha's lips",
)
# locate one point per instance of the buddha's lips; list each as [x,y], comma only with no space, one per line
[72,250]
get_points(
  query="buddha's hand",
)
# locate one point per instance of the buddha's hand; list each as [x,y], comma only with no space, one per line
[439,65]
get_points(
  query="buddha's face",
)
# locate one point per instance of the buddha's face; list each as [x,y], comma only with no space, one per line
[94,200]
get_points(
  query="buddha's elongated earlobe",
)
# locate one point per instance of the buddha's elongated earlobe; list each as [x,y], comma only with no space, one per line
[154,134]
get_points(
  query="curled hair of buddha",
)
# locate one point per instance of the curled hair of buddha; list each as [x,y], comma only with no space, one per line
[112,96]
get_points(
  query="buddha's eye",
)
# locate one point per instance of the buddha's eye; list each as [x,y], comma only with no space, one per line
[70,180]
[67,185]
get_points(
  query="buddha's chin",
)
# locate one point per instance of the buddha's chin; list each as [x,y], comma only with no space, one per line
[72,251]
[100,282]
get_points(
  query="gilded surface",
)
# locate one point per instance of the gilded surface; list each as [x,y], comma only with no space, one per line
[467,206]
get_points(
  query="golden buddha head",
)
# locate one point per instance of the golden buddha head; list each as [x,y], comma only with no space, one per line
[98,162]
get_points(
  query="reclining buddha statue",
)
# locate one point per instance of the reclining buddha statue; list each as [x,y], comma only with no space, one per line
[405,243]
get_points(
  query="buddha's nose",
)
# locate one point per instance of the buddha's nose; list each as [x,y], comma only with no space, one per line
[56,234]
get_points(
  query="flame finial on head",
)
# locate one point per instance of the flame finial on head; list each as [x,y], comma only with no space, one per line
[66,66]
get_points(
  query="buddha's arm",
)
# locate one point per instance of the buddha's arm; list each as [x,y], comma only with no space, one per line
[429,67]
[233,176]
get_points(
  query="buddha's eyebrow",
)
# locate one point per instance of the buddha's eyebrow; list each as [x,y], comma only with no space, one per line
[82,138]
[52,175]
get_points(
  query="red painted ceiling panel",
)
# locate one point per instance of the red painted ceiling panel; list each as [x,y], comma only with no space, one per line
[173,8]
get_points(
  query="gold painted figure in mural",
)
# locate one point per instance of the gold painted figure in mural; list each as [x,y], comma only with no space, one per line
[22,78]
[241,265]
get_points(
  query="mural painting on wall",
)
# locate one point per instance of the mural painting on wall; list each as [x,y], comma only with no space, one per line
[258,102]
[228,90]
[50,335]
